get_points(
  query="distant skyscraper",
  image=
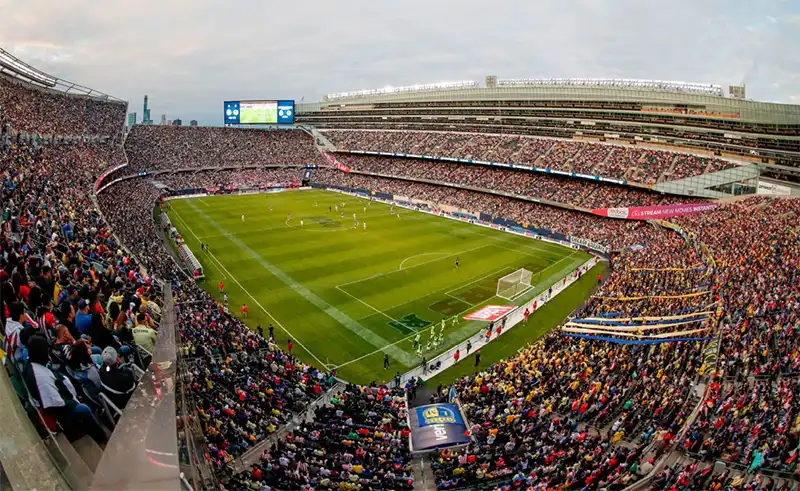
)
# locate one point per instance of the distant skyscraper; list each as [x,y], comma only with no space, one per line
[131,119]
[177,122]
[146,113]
[193,122]
[163,119]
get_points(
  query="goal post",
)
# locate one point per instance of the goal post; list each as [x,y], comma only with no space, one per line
[511,286]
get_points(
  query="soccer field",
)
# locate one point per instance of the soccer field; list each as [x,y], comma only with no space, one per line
[346,295]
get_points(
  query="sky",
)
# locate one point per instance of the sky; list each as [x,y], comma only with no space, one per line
[190,56]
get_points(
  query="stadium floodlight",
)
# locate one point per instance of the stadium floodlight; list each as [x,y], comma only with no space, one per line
[462,84]
[664,85]
[12,63]
[514,285]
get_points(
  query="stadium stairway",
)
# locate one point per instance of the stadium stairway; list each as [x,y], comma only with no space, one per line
[322,142]
[424,480]
[253,454]
[668,171]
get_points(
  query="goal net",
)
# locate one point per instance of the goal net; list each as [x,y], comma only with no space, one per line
[513,285]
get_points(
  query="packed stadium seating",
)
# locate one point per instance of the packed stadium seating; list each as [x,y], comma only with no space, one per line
[34,110]
[154,148]
[356,441]
[631,163]
[576,192]
[570,410]
[617,234]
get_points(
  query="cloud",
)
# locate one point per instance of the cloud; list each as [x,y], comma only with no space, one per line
[189,56]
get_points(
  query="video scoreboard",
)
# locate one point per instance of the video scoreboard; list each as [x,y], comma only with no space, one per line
[259,112]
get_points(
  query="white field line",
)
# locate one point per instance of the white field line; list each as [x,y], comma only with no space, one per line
[419,255]
[459,314]
[378,275]
[373,308]
[255,300]
[471,282]
[247,292]
[346,321]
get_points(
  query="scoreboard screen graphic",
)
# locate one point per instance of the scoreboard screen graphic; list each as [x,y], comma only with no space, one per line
[259,112]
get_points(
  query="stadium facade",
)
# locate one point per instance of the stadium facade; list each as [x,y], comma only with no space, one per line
[673,116]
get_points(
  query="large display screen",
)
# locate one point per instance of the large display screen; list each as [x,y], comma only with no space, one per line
[259,112]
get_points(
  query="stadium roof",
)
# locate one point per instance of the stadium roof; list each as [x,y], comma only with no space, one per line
[13,67]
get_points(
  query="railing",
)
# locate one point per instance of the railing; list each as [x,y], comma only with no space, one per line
[143,450]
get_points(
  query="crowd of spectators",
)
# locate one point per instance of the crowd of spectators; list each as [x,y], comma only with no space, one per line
[244,386]
[751,415]
[634,164]
[48,112]
[579,413]
[80,309]
[571,191]
[159,147]
[233,178]
[77,309]
[358,440]
[614,233]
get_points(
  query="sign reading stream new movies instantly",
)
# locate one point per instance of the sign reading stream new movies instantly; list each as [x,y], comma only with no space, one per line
[437,426]
[259,112]
[490,313]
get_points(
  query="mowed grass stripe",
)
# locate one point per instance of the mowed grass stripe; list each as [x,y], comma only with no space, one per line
[342,318]
[320,261]
[306,323]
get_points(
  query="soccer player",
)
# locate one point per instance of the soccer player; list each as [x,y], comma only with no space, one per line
[443,325]
[456,356]
[225,299]
[329,208]
[244,310]
[337,207]
[385,361]
[289,346]
[455,321]
[301,223]
[416,341]
[456,262]
[365,209]
[221,287]
[354,217]
[469,345]
[526,314]
[365,225]
[242,218]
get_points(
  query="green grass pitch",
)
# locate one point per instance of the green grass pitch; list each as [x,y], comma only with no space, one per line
[347,295]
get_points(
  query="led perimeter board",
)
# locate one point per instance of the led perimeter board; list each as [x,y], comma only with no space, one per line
[259,112]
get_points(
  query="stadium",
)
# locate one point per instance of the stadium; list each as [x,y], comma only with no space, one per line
[514,284]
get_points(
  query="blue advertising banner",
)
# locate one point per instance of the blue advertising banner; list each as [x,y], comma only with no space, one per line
[437,426]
